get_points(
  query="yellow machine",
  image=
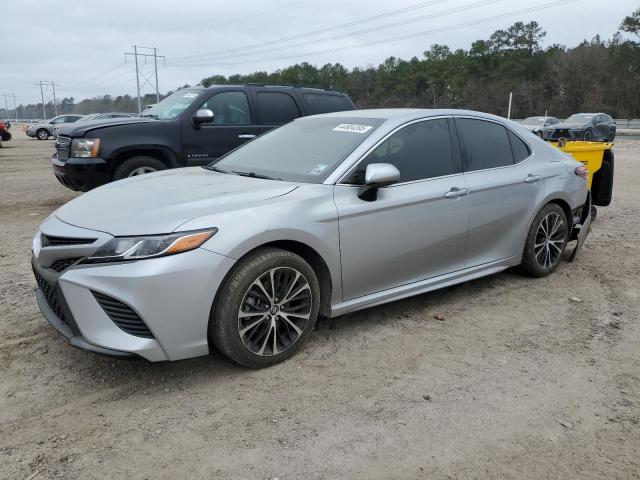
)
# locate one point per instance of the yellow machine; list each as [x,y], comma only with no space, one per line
[598,157]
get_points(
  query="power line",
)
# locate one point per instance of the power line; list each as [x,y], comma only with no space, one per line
[367,30]
[395,39]
[97,78]
[315,32]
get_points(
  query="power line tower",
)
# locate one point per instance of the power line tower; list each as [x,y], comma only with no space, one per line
[52,85]
[139,73]
[6,105]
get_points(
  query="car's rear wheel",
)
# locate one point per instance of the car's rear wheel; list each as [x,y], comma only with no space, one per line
[42,134]
[265,309]
[546,241]
[588,136]
[138,166]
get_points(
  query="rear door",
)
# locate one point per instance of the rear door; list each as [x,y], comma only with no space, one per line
[415,229]
[506,186]
[233,124]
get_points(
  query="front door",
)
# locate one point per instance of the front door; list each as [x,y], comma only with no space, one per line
[415,229]
[233,124]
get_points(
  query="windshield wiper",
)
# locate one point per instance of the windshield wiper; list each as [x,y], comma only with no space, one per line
[255,175]
[216,169]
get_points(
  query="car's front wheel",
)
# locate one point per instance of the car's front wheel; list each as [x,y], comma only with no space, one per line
[546,241]
[588,136]
[138,166]
[42,134]
[265,309]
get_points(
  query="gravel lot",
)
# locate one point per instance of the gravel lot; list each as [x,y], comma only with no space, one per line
[522,379]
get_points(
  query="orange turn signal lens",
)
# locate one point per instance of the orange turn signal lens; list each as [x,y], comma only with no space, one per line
[95,147]
[189,242]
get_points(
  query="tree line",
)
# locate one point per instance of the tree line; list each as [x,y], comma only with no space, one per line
[597,75]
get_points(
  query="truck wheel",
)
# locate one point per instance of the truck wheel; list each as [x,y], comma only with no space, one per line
[138,166]
[546,242]
[42,134]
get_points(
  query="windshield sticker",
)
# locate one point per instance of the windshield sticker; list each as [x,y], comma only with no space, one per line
[190,95]
[318,169]
[353,128]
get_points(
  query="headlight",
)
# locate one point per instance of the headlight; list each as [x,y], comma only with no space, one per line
[85,147]
[137,248]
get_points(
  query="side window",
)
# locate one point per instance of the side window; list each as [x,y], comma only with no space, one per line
[59,120]
[276,108]
[319,103]
[229,108]
[519,148]
[487,144]
[421,150]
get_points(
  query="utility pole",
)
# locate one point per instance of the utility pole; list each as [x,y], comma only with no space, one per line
[6,107]
[510,100]
[41,84]
[139,73]
[15,106]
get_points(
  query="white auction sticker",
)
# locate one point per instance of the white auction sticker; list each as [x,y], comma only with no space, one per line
[353,128]
[190,95]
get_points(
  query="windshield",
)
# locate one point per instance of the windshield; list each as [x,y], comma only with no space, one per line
[173,105]
[306,150]
[88,117]
[580,118]
[534,121]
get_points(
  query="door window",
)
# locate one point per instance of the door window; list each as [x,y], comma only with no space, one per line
[487,144]
[276,108]
[419,151]
[229,108]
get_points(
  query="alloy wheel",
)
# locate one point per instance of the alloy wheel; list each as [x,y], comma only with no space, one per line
[275,311]
[550,239]
[141,171]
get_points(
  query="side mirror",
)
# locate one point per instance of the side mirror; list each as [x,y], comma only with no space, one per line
[377,175]
[204,115]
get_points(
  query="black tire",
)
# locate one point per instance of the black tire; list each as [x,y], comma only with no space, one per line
[42,134]
[225,321]
[531,265]
[130,167]
[612,136]
[587,136]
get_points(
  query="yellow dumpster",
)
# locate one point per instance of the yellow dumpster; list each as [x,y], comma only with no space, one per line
[598,157]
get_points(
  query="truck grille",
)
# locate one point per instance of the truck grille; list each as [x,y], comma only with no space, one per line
[63,145]
[50,294]
[123,316]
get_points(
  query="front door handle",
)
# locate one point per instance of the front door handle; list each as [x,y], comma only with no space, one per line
[246,135]
[532,178]
[456,192]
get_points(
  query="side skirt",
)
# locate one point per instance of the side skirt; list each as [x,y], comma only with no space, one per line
[424,286]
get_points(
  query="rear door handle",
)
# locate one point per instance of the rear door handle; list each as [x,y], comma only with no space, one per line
[246,135]
[532,178]
[456,192]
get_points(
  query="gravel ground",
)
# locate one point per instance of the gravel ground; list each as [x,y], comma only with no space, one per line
[521,379]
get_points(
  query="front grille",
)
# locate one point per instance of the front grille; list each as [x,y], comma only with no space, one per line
[63,264]
[63,144]
[51,241]
[50,294]
[123,316]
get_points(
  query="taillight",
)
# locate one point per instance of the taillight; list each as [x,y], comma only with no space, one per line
[582,171]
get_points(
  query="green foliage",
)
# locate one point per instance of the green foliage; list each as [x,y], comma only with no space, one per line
[631,24]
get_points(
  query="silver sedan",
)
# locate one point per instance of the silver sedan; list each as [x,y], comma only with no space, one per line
[323,216]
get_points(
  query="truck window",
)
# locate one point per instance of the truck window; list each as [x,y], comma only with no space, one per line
[276,108]
[319,103]
[229,108]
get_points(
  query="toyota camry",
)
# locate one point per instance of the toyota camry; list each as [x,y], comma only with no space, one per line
[323,216]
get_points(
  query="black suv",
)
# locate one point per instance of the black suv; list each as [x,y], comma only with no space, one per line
[193,126]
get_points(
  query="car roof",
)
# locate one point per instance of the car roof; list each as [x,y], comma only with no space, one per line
[407,114]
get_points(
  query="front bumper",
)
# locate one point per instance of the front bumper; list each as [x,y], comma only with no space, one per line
[81,174]
[172,295]
[569,134]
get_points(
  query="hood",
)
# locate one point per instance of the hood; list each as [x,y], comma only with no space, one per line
[79,129]
[533,128]
[568,125]
[160,202]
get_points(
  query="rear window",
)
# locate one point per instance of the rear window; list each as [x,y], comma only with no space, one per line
[520,149]
[487,144]
[276,108]
[319,103]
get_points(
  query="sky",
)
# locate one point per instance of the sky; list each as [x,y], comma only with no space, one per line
[80,45]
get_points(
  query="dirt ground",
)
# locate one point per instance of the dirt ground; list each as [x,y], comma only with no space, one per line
[522,379]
